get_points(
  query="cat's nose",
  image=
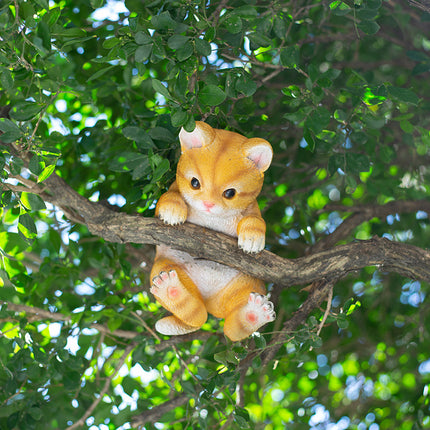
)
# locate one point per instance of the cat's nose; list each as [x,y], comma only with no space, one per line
[208,205]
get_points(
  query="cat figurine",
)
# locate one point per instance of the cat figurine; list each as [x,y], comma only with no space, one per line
[218,178]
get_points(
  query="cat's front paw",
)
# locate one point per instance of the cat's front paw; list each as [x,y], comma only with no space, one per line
[251,241]
[251,234]
[173,212]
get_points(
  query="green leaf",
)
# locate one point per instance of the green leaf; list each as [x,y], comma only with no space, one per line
[342,321]
[233,23]
[279,27]
[211,95]
[44,33]
[340,115]
[340,8]
[163,22]
[318,119]
[73,32]
[185,51]
[369,27]
[246,11]
[357,163]
[6,79]
[260,341]
[162,134]
[373,4]
[35,165]
[54,14]
[36,413]
[241,417]
[179,117]
[161,170]
[335,162]
[177,41]
[188,387]
[114,323]
[13,407]
[258,40]
[24,111]
[142,169]
[142,53]
[11,131]
[26,221]
[32,201]
[366,14]
[203,47]
[95,4]
[142,38]
[403,95]
[220,357]
[407,127]
[160,88]
[6,125]
[111,42]
[309,138]
[43,3]
[100,73]
[246,85]
[127,161]
[138,135]
[290,56]
[46,173]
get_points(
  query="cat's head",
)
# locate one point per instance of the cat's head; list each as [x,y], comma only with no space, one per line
[220,171]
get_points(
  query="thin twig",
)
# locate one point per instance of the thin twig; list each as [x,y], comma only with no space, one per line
[42,314]
[104,390]
[327,311]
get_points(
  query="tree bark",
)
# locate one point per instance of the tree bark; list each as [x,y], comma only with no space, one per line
[407,260]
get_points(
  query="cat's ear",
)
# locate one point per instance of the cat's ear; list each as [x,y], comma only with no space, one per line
[259,152]
[202,135]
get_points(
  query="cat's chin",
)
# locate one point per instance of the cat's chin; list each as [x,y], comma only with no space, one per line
[214,211]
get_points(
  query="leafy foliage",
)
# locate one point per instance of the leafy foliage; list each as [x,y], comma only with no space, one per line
[95,92]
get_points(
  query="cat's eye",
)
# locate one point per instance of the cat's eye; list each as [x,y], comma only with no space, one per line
[229,194]
[195,183]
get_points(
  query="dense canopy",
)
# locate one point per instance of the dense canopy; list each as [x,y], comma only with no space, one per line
[92,97]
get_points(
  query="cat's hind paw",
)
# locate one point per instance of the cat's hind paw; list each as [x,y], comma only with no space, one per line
[176,298]
[258,311]
[166,286]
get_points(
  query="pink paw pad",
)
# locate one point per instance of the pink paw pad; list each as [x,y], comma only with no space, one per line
[259,310]
[166,284]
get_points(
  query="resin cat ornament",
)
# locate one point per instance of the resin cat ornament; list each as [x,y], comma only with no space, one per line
[219,175]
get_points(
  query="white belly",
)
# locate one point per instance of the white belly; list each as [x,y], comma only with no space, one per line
[209,277]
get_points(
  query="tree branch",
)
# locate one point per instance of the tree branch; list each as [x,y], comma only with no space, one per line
[38,314]
[362,214]
[158,411]
[104,390]
[407,260]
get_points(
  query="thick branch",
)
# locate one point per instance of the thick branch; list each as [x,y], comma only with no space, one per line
[408,260]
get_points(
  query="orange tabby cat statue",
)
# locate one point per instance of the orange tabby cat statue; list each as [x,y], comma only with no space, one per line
[219,175]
